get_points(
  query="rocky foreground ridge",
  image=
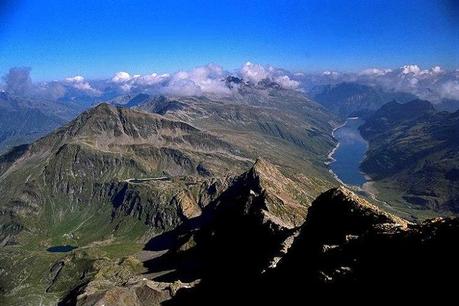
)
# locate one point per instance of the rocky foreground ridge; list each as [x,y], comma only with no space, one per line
[347,249]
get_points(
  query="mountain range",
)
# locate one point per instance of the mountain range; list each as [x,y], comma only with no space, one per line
[174,189]
[23,120]
[115,175]
[354,99]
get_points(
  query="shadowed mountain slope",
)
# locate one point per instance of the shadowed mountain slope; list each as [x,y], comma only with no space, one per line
[413,154]
[347,250]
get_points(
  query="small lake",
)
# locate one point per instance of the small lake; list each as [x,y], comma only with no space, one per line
[61,248]
[349,153]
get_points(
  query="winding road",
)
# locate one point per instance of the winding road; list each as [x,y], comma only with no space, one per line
[147,179]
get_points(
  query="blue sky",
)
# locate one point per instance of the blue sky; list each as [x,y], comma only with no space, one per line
[60,38]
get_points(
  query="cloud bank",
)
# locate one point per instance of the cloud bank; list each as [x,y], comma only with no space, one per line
[202,80]
[255,73]
[433,84]
[78,82]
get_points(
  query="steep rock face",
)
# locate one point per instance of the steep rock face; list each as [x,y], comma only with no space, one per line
[166,204]
[241,231]
[264,191]
[341,211]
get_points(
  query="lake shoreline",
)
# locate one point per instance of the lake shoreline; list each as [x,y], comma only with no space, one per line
[331,156]
[367,187]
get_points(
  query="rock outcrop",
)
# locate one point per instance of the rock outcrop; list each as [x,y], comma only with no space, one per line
[118,283]
[347,250]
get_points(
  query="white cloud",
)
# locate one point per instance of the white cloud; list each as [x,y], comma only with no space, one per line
[18,81]
[254,72]
[203,79]
[77,78]
[410,69]
[450,90]
[126,87]
[183,87]
[79,82]
[127,82]
[330,73]
[121,77]
[151,79]
[285,82]
[436,69]
[417,71]
[414,82]
[375,71]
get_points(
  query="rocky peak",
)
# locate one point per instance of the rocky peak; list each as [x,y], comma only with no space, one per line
[231,81]
[279,199]
[340,206]
[349,245]
[246,227]
[267,83]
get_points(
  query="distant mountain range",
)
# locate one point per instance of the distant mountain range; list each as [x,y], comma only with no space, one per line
[353,99]
[435,84]
[47,105]
[413,154]
[23,120]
